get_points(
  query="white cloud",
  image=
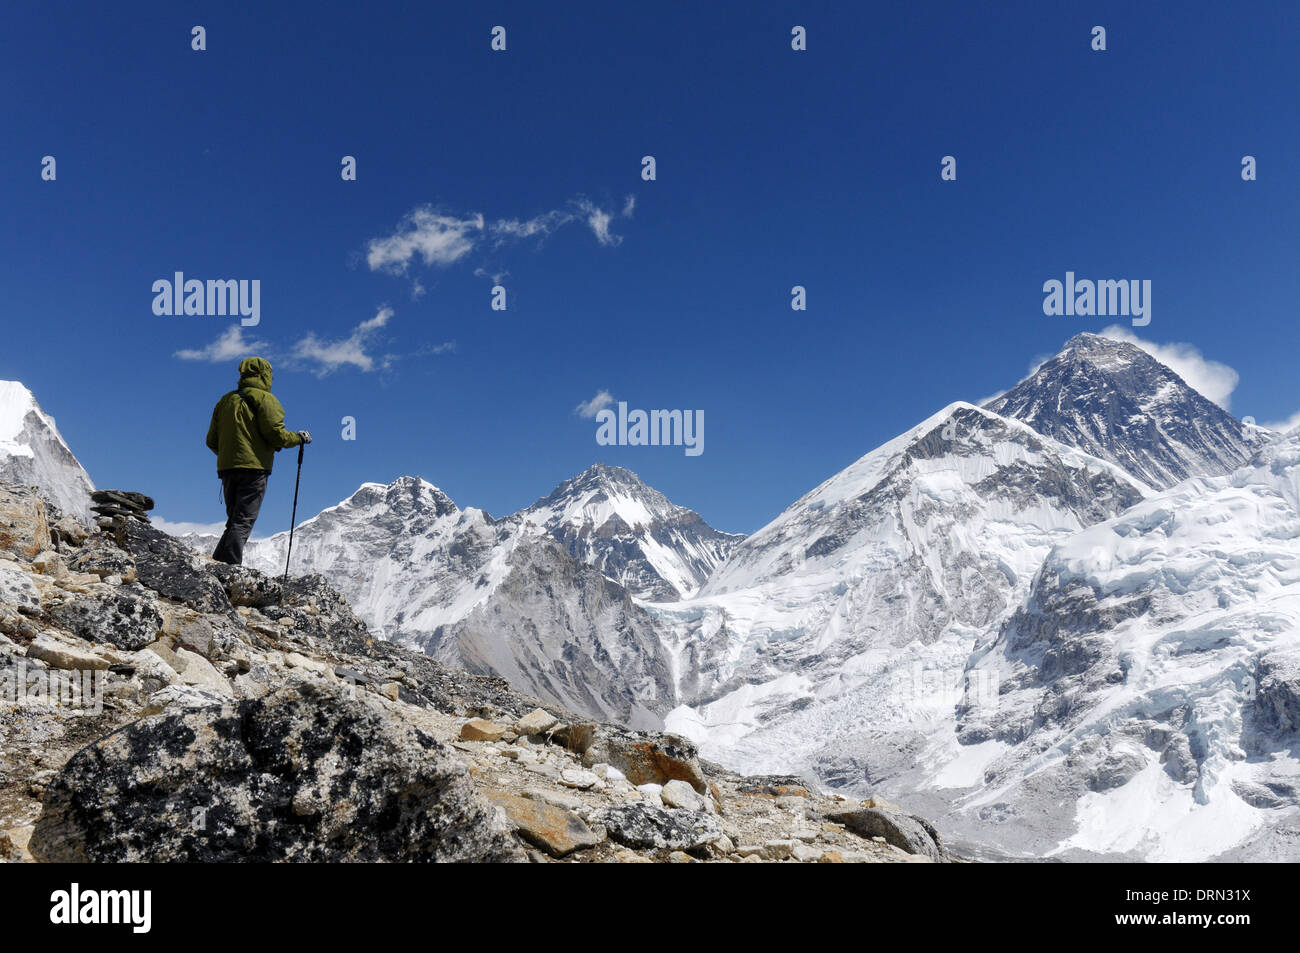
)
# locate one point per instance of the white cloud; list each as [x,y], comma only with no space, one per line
[437,238]
[228,346]
[1285,426]
[589,408]
[329,356]
[443,239]
[180,528]
[598,221]
[496,276]
[1212,379]
[507,229]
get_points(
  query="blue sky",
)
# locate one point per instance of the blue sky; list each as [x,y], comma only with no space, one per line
[774,168]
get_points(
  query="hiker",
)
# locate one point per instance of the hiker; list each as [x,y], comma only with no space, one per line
[247,430]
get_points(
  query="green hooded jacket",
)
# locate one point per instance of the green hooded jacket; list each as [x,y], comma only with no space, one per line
[248,423]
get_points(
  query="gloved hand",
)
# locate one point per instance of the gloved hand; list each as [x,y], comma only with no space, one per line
[305,435]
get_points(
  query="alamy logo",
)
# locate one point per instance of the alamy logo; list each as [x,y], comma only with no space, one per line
[1105,298]
[213,297]
[655,428]
[134,907]
[77,692]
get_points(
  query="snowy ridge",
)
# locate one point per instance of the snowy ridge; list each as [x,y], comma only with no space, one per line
[496,597]
[32,451]
[1115,401]
[636,536]
[817,625]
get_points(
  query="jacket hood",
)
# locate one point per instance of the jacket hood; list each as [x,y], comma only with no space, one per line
[255,372]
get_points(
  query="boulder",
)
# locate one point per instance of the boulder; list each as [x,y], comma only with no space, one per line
[168,567]
[479,729]
[195,635]
[536,722]
[183,697]
[199,672]
[545,826]
[102,559]
[907,832]
[69,530]
[126,617]
[58,655]
[248,587]
[153,670]
[18,590]
[304,774]
[680,794]
[656,828]
[644,757]
[578,778]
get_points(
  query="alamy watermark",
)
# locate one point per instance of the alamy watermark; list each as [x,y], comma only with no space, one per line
[977,689]
[133,908]
[1104,298]
[222,296]
[653,428]
[80,692]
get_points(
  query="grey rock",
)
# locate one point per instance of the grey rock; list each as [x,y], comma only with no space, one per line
[644,757]
[168,568]
[655,828]
[907,832]
[102,558]
[127,618]
[18,590]
[1277,695]
[304,774]
[124,498]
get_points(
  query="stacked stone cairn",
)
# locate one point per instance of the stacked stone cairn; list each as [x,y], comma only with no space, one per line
[124,503]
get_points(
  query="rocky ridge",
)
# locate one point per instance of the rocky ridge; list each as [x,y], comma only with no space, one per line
[158,706]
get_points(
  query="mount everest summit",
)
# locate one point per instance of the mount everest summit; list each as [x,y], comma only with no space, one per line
[1065,623]
[1109,398]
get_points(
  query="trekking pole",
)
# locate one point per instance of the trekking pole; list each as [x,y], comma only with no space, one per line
[294,518]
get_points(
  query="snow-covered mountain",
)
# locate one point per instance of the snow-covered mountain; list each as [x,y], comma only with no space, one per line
[1115,401]
[635,535]
[33,452]
[1150,697]
[818,626]
[496,597]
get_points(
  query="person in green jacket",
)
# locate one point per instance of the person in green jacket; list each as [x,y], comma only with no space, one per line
[246,432]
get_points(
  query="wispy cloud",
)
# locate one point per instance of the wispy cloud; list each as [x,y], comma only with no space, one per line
[496,276]
[589,408]
[1212,379]
[320,356]
[439,238]
[228,346]
[325,356]
[436,238]
[1285,426]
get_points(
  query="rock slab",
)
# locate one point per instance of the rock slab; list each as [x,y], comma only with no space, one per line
[303,774]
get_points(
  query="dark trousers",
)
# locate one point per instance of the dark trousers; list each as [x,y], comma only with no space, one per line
[243,491]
